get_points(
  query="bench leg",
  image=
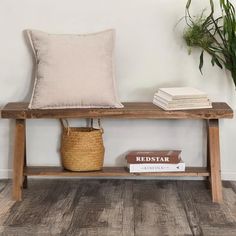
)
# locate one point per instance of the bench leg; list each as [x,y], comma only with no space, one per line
[208,152]
[25,181]
[214,160]
[18,162]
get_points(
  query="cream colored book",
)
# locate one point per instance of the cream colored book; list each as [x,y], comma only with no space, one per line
[181,93]
[181,107]
[182,101]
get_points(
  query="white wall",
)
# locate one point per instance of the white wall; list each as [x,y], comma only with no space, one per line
[150,53]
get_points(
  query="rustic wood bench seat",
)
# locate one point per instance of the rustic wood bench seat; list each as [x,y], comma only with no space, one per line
[132,110]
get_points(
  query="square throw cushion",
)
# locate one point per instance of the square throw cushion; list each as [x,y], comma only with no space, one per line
[74,71]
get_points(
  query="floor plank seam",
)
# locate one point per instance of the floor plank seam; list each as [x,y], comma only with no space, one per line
[183,200]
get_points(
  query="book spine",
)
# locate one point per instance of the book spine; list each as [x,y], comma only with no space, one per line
[177,97]
[153,159]
[159,104]
[182,101]
[164,95]
[183,104]
[133,168]
[205,104]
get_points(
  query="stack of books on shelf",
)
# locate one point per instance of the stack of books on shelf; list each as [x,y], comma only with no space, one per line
[181,98]
[155,161]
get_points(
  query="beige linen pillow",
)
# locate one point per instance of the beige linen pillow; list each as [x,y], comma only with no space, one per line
[74,71]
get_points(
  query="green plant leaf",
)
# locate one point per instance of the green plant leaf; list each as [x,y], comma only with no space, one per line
[188,4]
[201,61]
[212,61]
[214,35]
[218,63]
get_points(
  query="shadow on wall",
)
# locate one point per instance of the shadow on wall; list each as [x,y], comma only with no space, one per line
[120,160]
[34,67]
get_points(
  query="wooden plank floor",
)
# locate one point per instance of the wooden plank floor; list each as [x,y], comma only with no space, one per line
[117,208]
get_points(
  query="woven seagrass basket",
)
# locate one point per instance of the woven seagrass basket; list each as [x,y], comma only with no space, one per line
[82,148]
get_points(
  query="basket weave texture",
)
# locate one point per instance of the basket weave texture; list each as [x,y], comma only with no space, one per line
[82,148]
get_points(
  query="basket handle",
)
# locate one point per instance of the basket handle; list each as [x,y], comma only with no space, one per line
[65,125]
[99,124]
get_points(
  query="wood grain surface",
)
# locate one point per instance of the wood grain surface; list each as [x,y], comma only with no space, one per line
[117,208]
[19,159]
[142,110]
[109,172]
[214,158]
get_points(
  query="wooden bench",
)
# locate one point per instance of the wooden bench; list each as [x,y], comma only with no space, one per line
[132,110]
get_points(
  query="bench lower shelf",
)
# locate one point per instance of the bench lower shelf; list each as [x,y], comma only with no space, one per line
[109,171]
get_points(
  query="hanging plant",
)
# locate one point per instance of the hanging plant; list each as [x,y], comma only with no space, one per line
[215,36]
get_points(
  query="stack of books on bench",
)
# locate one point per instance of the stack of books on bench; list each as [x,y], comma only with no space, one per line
[181,98]
[155,161]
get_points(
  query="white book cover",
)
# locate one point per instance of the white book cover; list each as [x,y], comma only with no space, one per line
[181,93]
[175,105]
[187,101]
[184,107]
[133,168]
